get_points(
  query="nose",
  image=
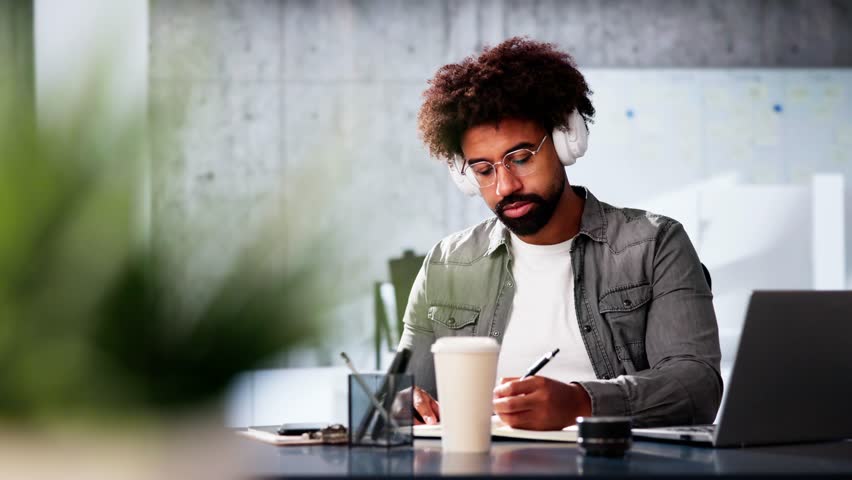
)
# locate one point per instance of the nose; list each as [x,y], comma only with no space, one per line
[507,183]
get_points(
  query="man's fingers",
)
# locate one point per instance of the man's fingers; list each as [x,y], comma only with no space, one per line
[518,387]
[435,408]
[514,404]
[422,402]
[507,379]
[524,420]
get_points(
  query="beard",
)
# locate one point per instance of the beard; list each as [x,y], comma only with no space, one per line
[537,217]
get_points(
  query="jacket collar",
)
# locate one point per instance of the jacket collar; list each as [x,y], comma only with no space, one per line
[592,223]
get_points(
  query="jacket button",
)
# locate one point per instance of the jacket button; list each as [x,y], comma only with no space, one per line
[451,321]
[508,284]
[627,303]
[587,328]
[495,333]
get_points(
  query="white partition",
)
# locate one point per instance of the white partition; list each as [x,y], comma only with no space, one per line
[269,397]
[828,232]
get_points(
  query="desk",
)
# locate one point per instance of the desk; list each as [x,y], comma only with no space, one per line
[546,459]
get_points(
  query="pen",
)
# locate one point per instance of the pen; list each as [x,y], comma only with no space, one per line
[378,406]
[540,363]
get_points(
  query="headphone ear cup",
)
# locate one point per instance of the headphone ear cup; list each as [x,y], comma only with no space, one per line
[563,148]
[579,134]
[571,140]
[460,181]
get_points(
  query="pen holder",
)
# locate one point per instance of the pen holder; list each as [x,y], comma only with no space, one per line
[389,425]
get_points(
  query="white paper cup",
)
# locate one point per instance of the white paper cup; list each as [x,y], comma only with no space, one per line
[465,369]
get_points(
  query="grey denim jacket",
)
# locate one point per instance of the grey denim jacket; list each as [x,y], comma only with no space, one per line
[644,309]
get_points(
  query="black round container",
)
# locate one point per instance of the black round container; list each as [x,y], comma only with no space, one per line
[604,436]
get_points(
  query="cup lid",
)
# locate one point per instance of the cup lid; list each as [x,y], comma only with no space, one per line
[465,345]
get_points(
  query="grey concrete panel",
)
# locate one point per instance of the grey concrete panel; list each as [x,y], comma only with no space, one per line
[387,194]
[219,122]
[575,26]
[630,36]
[317,40]
[313,131]
[412,183]
[363,40]
[216,40]
[728,35]
[215,169]
[398,40]
[841,30]
[460,25]
[490,22]
[313,142]
[230,145]
[797,33]
[677,33]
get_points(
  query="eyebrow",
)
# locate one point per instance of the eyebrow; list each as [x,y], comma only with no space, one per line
[519,146]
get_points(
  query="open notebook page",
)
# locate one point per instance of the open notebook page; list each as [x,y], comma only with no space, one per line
[500,429]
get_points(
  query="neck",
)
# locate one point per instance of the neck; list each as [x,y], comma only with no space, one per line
[565,223]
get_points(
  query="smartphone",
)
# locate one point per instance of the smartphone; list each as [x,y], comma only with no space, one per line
[300,428]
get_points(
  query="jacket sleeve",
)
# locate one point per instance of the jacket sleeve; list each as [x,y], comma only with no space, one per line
[683,384]
[417,334]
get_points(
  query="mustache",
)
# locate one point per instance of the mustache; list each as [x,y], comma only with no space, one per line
[529,197]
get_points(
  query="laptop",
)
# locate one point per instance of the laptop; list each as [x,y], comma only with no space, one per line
[792,377]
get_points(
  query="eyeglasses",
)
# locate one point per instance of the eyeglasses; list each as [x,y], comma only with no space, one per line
[519,163]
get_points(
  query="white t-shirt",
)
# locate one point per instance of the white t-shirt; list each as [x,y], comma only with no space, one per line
[542,316]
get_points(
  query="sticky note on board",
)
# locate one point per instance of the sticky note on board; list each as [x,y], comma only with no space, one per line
[798,94]
[758,93]
[833,92]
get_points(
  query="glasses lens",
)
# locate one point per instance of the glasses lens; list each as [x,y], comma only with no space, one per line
[521,162]
[481,174]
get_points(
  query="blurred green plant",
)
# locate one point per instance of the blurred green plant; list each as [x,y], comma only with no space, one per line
[88,323]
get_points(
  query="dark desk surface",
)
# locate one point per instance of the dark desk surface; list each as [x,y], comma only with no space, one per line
[536,458]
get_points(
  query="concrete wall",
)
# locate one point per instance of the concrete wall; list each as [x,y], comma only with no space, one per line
[253,93]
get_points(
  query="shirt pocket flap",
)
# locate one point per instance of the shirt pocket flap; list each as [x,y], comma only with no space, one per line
[453,317]
[625,299]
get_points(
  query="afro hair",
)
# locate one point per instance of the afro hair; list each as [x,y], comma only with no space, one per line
[519,78]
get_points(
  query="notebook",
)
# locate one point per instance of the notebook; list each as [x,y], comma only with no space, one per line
[268,435]
[500,429]
[332,434]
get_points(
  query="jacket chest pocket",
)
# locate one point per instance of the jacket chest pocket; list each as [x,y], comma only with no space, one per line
[453,321]
[625,309]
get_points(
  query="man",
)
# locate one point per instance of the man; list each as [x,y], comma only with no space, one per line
[621,292]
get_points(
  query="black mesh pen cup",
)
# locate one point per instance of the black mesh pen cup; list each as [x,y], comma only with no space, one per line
[604,436]
[387,418]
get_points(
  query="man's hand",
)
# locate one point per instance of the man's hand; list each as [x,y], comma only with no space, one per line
[426,406]
[539,403]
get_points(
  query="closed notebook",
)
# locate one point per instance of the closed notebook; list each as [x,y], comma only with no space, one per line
[269,435]
[500,429]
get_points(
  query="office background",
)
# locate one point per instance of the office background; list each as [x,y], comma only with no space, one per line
[734,117]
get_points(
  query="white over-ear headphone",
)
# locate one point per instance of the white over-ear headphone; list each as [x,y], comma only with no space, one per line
[570,141]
